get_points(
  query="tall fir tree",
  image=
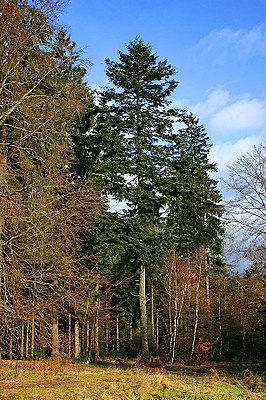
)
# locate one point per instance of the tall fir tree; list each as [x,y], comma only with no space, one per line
[127,149]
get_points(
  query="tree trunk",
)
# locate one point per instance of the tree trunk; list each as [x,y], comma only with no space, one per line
[77,339]
[196,311]
[22,340]
[143,316]
[207,288]
[11,345]
[32,333]
[220,321]
[157,330]
[55,338]
[152,312]
[131,328]
[27,339]
[69,335]
[117,335]
[177,318]
[170,310]
[88,335]
[96,325]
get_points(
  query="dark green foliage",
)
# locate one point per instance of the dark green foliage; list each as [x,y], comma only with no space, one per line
[194,202]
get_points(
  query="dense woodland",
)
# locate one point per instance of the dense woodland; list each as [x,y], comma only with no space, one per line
[147,276]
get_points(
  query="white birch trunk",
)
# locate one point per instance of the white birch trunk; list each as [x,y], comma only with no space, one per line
[196,311]
[22,340]
[96,325]
[77,338]
[143,316]
[152,312]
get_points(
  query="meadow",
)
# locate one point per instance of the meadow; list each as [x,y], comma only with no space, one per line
[113,380]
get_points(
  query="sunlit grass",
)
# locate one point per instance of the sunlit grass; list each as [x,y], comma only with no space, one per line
[46,380]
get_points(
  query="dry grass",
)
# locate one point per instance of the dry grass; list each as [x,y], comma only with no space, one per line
[46,380]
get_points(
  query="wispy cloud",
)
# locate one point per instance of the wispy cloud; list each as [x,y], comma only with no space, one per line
[243,115]
[229,117]
[225,154]
[222,43]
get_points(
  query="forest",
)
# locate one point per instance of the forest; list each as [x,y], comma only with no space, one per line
[112,227]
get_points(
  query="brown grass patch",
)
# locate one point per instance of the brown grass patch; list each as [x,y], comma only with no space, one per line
[47,380]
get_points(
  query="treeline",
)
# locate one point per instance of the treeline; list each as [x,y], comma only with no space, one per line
[78,278]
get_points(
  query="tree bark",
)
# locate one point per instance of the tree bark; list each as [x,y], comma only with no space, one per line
[55,338]
[77,339]
[143,316]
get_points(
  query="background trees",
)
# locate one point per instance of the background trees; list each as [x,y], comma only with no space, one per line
[43,207]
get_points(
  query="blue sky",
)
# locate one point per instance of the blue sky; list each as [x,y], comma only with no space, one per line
[218,48]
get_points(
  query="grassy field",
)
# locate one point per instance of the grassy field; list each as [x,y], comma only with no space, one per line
[47,380]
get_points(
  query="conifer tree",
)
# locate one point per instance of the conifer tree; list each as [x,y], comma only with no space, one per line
[127,149]
[194,202]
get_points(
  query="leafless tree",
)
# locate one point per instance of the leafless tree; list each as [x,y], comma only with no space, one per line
[246,211]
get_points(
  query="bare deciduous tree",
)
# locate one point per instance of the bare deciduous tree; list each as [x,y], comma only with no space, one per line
[246,211]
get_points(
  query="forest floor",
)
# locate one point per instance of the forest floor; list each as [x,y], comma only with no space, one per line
[47,380]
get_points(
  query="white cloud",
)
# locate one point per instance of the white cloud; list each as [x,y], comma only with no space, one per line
[242,43]
[245,115]
[216,99]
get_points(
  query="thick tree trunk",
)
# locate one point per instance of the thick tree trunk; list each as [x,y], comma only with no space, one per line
[77,339]
[55,338]
[143,316]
